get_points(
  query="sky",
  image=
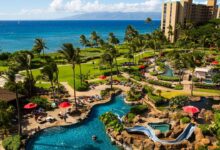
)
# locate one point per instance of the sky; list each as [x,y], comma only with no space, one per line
[54,9]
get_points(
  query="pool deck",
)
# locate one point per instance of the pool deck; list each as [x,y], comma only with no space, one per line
[30,126]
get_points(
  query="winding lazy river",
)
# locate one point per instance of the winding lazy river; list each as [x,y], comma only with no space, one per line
[79,136]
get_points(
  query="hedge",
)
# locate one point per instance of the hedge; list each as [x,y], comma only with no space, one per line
[108,73]
[167,78]
[206,86]
[160,83]
[178,87]
[157,100]
[185,120]
[139,109]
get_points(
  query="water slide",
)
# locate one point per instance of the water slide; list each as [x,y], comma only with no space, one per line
[188,131]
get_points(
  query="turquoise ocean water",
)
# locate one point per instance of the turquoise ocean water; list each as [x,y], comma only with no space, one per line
[20,35]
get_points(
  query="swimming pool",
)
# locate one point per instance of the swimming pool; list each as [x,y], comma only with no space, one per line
[168,72]
[79,136]
[163,127]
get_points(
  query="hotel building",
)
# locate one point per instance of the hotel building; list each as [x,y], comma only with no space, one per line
[180,12]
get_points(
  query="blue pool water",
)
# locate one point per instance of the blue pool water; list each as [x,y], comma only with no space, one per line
[163,127]
[168,72]
[20,35]
[79,136]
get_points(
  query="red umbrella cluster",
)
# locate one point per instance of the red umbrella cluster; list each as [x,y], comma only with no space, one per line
[102,77]
[30,106]
[190,109]
[64,105]
[215,63]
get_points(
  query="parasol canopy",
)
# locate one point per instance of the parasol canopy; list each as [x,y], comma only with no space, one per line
[64,105]
[191,109]
[30,106]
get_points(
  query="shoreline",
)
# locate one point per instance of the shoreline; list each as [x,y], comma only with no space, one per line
[82,117]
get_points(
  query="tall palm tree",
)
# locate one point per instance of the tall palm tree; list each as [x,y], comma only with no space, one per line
[78,62]
[113,40]
[70,55]
[50,72]
[107,58]
[130,33]
[39,46]
[10,77]
[94,38]
[84,41]
[23,60]
[170,32]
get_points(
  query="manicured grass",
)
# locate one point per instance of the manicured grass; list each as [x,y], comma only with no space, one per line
[3,68]
[208,90]
[43,85]
[66,74]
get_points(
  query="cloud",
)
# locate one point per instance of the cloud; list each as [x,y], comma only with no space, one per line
[80,6]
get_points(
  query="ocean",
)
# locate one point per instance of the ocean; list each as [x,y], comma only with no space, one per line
[20,35]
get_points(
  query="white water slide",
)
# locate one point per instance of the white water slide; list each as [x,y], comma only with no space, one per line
[186,134]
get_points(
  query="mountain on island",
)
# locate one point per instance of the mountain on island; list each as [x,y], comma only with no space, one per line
[115,16]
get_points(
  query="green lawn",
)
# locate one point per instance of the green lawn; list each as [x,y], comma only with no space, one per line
[208,90]
[3,68]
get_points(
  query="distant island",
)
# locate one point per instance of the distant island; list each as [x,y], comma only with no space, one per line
[114,16]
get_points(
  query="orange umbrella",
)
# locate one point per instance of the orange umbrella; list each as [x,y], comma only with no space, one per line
[30,106]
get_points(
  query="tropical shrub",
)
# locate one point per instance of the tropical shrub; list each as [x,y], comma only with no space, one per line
[185,120]
[130,117]
[6,114]
[12,142]
[178,101]
[5,56]
[205,129]
[168,78]
[157,100]
[110,120]
[139,109]
[83,87]
[133,95]
[195,79]
[205,86]
[108,73]
[178,87]
[160,83]
[153,73]
[41,102]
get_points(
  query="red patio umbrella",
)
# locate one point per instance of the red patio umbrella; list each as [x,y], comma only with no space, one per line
[215,63]
[103,77]
[191,109]
[141,67]
[30,106]
[64,104]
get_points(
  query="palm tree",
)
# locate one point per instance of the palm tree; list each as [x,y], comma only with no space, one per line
[70,54]
[39,46]
[112,39]
[78,62]
[94,38]
[23,60]
[84,41]
[10,77]
[130,33]
[170,32]
[50,72]
[107,58]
